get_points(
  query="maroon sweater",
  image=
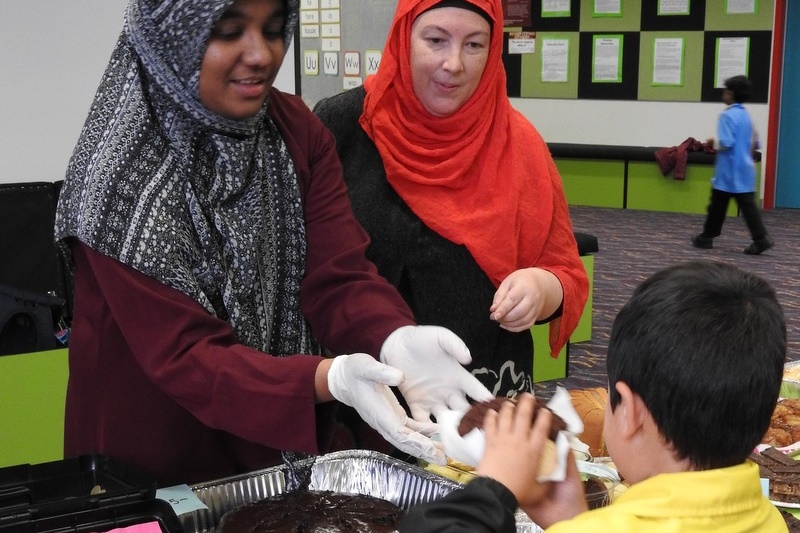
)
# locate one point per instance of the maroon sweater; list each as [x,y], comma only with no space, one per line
[159,383]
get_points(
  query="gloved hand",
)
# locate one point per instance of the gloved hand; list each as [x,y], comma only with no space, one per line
[431,358]
[363,383]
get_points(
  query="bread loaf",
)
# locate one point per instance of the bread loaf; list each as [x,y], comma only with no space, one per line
[590,404]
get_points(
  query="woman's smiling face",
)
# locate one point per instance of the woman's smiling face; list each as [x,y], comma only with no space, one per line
[243,56]
[449,50]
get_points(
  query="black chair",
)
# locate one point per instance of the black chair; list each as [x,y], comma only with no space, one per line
[36,285]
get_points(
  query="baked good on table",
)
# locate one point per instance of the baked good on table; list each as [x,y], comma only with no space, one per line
[596,493]
[784,427]
[791,372]
[313,512]
[473,418]
[791,522]
[783,473]
[590,404]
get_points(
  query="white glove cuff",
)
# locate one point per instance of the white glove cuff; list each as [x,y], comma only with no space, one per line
[336,381]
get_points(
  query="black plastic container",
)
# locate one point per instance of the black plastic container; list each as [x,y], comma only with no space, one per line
[102,519]
[82,494]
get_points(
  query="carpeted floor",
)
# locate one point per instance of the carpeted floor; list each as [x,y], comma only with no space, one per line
[634,244]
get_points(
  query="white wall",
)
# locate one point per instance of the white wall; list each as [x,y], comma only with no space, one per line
[618,122]
[52,56]
[53,53]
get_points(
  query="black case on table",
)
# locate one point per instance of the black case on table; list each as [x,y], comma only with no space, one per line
[90,493]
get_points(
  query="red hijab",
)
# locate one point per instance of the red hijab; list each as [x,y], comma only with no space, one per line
[479,177]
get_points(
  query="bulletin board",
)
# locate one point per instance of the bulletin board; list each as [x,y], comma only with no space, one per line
[341,43]
[704,33]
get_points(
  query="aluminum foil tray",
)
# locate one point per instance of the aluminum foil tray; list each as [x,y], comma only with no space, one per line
[351,471]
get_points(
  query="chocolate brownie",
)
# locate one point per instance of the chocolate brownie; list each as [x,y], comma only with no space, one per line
[313,511]
[474,417]
[783,473]
[791,522]
[596,493]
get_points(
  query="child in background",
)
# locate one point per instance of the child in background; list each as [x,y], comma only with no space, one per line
[734,171]
[695,362]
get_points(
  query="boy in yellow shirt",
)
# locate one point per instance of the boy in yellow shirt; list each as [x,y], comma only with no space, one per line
[695,362]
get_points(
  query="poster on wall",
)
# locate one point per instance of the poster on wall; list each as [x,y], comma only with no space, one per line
[555,60]
[521,42]
[517,13]
[556,8]
[607,8]
[668,62]
[607,59]
[673,7]
[741,7]
[733,55]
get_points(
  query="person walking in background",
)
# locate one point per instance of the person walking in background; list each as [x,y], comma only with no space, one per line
[734,171]
[458,191]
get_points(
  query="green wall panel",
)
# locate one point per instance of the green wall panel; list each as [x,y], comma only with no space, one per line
[33,390]
[593,182]
[583,332]
[546,368]
[649,190]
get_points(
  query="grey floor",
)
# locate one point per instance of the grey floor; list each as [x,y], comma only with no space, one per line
[634,244]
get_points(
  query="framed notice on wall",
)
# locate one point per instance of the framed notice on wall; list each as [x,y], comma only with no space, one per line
[668,61]
[607,59]
[732,59]
[673,7]
[743,7]
[517,13]
[606,8]
[555,61]
[556,8]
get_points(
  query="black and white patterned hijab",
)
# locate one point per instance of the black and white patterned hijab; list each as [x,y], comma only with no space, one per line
[205,204]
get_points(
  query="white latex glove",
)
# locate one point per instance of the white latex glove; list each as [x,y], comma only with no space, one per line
[431,358]
[363,383]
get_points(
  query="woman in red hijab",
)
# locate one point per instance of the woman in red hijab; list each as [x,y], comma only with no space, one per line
[458,191]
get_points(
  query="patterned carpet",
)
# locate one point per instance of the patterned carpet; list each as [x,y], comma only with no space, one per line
[634,244]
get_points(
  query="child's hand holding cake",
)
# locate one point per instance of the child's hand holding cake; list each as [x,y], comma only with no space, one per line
[464,437]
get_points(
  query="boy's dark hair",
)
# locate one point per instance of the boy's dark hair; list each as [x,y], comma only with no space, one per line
[703,344]
[741,87]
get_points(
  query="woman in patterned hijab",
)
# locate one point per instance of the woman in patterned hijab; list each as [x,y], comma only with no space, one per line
[160,182]
[209,226]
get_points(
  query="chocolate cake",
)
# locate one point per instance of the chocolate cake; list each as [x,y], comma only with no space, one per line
[474,417]
[596,493]
[313,512]
[783,473]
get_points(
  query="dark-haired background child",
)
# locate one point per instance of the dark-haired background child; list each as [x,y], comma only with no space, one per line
[734,170]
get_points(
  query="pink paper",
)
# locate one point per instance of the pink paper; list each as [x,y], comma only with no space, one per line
[149,527]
